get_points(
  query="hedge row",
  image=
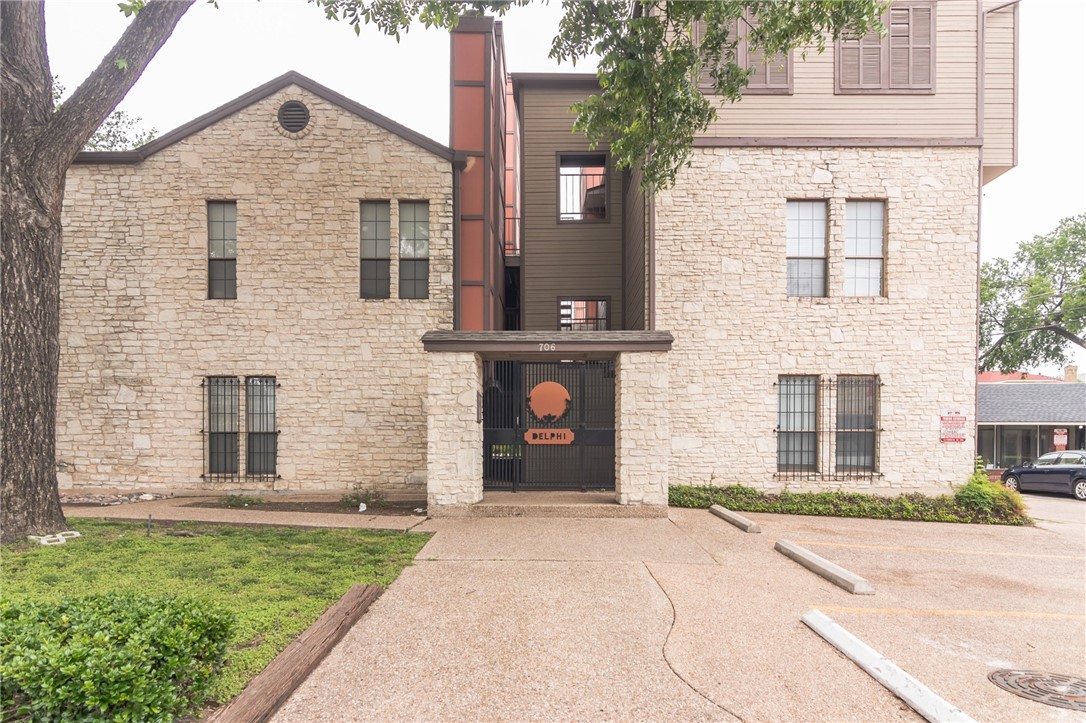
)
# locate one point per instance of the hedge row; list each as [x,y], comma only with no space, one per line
[979,502]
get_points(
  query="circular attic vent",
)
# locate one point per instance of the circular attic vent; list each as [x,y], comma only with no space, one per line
[293,116]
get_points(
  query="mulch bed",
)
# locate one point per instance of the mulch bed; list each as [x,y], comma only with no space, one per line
[395,509]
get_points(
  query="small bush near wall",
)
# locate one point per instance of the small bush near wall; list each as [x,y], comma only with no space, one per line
[977,501]
[117,657]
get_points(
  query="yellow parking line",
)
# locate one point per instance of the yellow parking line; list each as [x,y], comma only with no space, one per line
[968,613]
[938,549]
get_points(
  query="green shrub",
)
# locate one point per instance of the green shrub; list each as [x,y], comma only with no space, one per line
[241,501]
[989,503]
[360,495]
[117,657]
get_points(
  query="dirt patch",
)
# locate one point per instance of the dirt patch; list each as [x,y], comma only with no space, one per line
[395,509]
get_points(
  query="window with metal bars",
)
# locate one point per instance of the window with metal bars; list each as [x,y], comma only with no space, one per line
[221,420]
[261,435]
[827,427]
[222,250]
[414,249]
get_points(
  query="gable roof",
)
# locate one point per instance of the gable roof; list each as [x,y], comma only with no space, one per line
[257,94]
[1061,403]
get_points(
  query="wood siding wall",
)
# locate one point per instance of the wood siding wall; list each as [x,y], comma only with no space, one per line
[633,252]
[814,111]
[1000,78]
[563,259]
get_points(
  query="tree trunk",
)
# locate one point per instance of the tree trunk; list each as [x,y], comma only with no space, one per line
[30,342]
[38,144]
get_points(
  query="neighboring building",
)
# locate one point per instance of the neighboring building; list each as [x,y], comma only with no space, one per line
[1023,416]
[799,310]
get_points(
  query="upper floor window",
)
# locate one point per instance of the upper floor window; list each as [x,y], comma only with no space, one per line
[864,248]
[222,250]
[768,75]
[582,187]
[376,235]
[414,249]
[806,248]
[583,314]
[903,61]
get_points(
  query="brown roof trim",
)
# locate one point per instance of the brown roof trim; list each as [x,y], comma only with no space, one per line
[547,344]
[999,7]
[556,80]
[254,95]
[830,142]
[475,24]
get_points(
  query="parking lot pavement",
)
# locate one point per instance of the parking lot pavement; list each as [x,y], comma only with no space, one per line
[1062,514]
[955,602]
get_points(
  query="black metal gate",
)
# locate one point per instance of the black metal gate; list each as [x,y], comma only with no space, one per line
[567,411]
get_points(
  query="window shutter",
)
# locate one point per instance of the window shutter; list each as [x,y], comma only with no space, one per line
[766,74]
[911,41]
[871,61]
[860,64]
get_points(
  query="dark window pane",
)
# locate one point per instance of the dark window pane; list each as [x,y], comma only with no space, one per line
[223,453]
[222,279]
[855,451]
[414,274]
[796,451]
[375,278]
[260,453]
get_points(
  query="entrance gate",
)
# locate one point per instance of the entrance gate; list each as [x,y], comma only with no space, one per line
[549,425]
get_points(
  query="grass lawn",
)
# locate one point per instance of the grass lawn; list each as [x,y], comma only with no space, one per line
[276,581]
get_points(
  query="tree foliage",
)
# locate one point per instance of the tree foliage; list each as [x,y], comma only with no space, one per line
[653,55]
[1033,306]
[121,131]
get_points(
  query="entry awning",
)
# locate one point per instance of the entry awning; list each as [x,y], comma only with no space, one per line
[547,344]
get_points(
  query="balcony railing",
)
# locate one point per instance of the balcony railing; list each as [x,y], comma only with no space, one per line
[582,196]
[512,233]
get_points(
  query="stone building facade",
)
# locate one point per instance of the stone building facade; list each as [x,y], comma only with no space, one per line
[140,337]
[742,331]
[799,311]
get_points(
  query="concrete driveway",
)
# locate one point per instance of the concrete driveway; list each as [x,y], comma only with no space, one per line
[1062,514]
[690,619]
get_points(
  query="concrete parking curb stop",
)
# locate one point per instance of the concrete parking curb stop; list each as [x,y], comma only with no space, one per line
[735,518]
[919,697]
[836,574]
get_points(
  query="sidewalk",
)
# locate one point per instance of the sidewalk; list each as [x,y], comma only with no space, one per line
[688,618]
[564,619]
[176,509]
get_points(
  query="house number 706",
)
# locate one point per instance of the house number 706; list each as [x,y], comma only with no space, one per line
[546,347]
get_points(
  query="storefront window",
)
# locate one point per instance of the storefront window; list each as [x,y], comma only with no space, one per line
[1017,445]
[986,445]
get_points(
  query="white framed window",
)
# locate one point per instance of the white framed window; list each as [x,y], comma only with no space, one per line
[414,249]
[864,247]
[806,231]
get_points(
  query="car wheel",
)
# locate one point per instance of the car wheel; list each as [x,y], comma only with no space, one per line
[1079,490]
[1011,483]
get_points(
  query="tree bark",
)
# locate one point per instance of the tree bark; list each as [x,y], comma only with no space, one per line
[37,147]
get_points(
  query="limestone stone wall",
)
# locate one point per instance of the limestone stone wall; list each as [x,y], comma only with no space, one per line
[139,333]
[721,290]
[454,451]
[642,428]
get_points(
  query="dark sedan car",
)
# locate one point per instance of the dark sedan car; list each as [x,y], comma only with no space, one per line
[1052,472]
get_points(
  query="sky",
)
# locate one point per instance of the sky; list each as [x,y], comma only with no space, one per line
[218,54]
